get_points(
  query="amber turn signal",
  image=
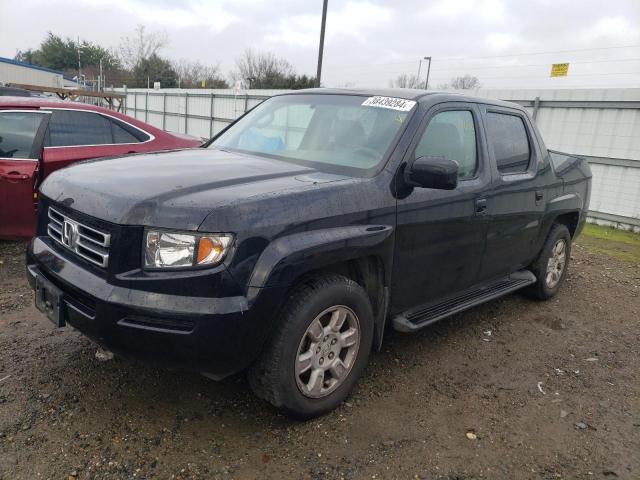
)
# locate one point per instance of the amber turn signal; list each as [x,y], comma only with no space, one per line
[209,250]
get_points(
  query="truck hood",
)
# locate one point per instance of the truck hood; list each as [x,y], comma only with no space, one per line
[173,189]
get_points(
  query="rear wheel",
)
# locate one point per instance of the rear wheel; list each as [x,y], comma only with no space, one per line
[551,266]
[319,350]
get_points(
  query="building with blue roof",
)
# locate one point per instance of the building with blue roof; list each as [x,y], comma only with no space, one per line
[13,71]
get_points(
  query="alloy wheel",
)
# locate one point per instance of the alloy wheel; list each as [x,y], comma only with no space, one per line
[327,351]
[556,263]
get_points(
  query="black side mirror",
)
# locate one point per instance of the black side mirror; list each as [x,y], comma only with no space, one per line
[432,172]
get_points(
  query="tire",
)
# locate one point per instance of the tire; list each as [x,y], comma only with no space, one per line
[284,372]
[548,283]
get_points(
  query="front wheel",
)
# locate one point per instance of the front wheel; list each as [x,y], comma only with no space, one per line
[550,268]
[320,349]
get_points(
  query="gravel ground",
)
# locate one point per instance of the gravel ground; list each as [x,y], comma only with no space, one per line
[512,389]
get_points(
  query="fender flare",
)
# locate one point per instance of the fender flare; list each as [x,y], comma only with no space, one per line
[286,258]
[567,203]
[289,257]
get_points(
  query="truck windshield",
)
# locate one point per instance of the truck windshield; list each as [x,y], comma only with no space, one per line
[342,133]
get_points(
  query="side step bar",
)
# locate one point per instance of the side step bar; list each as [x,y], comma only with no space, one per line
[425,315]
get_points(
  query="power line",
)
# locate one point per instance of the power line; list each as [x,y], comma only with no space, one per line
[448,59]
[571,76]
[470,68]
[362,74]
[516,65]
[540,53]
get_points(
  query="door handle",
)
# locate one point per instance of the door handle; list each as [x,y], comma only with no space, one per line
[481,206]
[14,176]
[539,195]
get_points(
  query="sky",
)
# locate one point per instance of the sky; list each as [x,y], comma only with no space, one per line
[505,43]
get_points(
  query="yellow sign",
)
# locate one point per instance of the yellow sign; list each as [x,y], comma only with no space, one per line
[204,82]
[559,69]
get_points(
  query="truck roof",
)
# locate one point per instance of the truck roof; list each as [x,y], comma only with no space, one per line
[406,94]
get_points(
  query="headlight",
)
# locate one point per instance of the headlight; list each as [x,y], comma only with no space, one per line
[163,249]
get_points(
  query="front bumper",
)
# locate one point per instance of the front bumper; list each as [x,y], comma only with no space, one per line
[217,336]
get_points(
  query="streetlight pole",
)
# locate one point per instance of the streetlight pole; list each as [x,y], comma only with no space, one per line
[426,83]
[420,68]
[321,48]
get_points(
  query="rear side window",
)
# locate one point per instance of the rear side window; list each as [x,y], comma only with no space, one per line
[451,135]
[123,133]
[17,134]
[69,128]
[507,136]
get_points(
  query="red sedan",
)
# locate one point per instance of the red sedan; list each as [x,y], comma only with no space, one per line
[39,135]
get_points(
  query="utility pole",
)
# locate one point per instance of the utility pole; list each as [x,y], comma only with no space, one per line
[321,49]
[100,81]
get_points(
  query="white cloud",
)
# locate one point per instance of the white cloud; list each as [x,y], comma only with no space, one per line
[356,19]
[177,15]
[300,30]
[499,41]
[618,28]
[493,10]
[368,42]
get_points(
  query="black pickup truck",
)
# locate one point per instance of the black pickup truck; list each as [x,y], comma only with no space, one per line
[293,239]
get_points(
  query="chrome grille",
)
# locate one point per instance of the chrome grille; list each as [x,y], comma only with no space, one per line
[84,241]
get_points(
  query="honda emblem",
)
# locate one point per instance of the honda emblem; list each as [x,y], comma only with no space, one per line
[69,233]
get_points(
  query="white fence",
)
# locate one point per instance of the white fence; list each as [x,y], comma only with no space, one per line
[198,112]
[602,125]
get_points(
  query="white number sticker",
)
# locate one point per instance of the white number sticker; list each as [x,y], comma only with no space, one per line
[389,102]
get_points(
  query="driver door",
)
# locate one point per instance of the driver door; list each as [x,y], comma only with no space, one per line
[441,234]
[21,138]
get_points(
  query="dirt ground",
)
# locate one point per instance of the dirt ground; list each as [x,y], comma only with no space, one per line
[512,389]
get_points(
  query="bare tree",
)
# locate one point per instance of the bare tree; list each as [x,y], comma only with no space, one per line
[192,74]
[141,46]
[406,81]
[465,82]
[261,69]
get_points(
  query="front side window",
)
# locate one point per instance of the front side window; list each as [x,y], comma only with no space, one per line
[451,135]
[507,136]
[17,134]
[71,127]
[328,132]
